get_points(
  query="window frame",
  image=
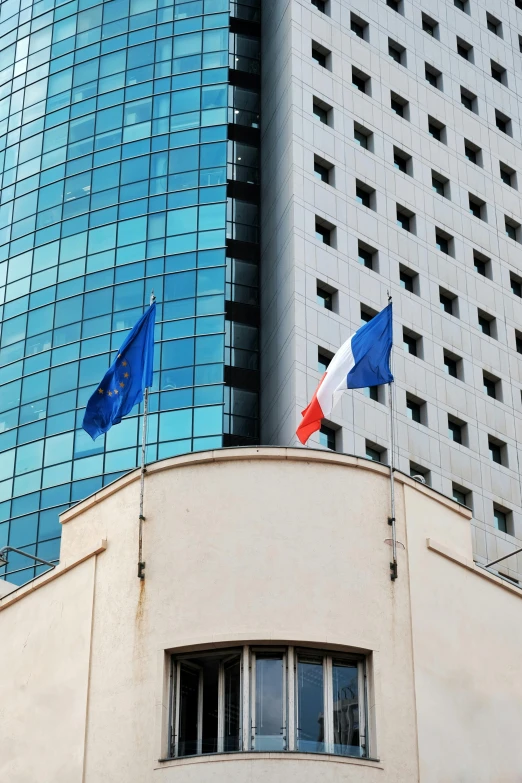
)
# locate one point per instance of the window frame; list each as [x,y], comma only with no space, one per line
[246,656]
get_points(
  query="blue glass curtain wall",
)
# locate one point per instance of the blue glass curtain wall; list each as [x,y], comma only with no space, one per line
[113,153]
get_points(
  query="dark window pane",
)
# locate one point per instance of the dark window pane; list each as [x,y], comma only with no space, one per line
[269,702]
[346,709]
[310,704]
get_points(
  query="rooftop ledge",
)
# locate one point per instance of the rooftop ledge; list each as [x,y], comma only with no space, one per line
[260,453]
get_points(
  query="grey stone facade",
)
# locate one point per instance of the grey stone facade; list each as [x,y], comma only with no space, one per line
[294,261]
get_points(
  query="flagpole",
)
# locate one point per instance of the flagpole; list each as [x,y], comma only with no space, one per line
[141,562]
[393,564]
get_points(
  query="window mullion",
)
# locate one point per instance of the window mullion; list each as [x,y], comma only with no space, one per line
[221,708]
[328,704]
[284,727]
[200,713]
[363,724]
[290,722]
[245,693]
[177,677]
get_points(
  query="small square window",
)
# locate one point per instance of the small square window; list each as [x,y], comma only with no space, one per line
[456,431]
[440,184]
[518,4]
[372,392]
[363,136]
[402,161]
[477,207]
[494,25]
[443,242]
[399,106]
[323,360]
[361,81]
[321,114]
[498,72]
[462,5]
[472,152]
[408,279]
[481,264]
[461,495]
[491,384]
[516,285]
[468,100]
[367,256]
[359,27]
[319,55]
[452,364]
[503,122]
[367,314]
[518,341]
[520,42]
[512,229]
[414,409]
[503,520]
[405,219]
[327,437]
[430,26]
[486,324]
[433,76]
[325,297]
[495,451]
[322,170]
[322,111]
[420,474]
[448,302]
[373,452]
[397,52]
[320,5]
[508,175]
[411,342]
[364,195]
[323,234]
[436,130]
[465,49]
[395,5]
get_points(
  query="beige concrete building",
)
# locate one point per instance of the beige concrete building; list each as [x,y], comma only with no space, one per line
[267,641]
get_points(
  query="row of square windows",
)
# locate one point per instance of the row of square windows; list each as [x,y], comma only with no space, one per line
[398,52]
[325,231]
[403,161]
[493,24]
[330,437]
[413,342]
[400,105]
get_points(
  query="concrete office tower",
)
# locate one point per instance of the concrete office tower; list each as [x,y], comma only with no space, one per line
[267,642]
[117,122]
[391,161]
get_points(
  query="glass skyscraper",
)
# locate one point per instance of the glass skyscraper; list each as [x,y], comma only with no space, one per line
[129,135]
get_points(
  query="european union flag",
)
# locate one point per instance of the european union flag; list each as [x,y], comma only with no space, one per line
[124,382]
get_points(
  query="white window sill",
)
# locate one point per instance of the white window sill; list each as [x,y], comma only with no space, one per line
[284,755]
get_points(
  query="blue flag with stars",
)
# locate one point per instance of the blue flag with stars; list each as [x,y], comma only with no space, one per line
[124,382]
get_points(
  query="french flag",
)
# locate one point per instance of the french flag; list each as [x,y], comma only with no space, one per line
[363,360]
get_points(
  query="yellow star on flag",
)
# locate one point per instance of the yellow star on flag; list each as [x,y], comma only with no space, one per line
[125,374]
[100,391]
[124,364]
[116,391]
[109,393]
[122,384]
